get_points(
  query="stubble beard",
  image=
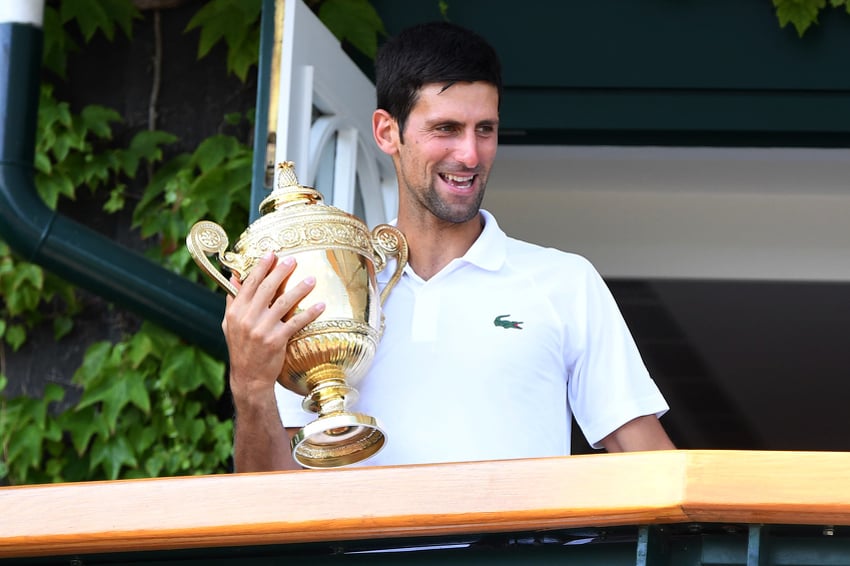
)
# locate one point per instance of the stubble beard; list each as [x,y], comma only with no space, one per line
[447,212]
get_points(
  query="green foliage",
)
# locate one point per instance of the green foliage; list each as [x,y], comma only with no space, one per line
[802,14]
[147,403]
[144,412]
[32,297]
[213,183]
[354,21]
[90,17]
[73,151]
[235,22]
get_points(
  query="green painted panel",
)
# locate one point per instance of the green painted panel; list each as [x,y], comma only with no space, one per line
[719,72]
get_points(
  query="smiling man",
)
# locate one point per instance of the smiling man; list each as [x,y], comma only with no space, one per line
[455,378]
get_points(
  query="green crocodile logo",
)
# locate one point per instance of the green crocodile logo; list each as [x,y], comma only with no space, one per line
[499,321]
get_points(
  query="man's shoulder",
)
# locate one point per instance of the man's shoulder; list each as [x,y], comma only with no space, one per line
[522,251]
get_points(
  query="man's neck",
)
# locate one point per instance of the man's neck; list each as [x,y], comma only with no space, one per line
[434,244]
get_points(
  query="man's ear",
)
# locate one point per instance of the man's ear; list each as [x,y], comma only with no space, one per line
[385,131]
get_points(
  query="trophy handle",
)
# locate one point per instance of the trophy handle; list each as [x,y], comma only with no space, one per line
[389,241]
[207,238]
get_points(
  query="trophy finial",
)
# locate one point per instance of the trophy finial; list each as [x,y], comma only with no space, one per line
[286,176]
[287,191]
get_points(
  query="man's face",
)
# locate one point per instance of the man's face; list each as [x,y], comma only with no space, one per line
[450,141]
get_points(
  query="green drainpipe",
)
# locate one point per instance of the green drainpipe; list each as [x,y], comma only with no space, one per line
[61,245]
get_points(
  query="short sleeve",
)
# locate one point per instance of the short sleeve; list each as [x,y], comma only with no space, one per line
[610,384]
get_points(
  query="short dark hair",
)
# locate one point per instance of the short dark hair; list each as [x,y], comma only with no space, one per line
[433,52]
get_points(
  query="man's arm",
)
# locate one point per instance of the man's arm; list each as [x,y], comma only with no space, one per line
[642,433]
[257,329]
[261,443]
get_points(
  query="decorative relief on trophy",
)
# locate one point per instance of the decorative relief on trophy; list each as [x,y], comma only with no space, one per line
[328,357]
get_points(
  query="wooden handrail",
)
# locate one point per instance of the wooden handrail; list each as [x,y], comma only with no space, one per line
[410,501]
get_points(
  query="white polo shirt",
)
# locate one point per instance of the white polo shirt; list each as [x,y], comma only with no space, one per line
[488,359]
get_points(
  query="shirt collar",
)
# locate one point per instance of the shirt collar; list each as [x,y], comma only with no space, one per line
[490,249]
[488,252]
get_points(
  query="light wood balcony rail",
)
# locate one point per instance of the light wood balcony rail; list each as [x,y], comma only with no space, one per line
[808,488]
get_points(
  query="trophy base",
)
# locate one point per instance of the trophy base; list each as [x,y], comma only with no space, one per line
[337,439]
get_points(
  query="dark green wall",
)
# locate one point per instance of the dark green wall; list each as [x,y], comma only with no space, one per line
[700,72]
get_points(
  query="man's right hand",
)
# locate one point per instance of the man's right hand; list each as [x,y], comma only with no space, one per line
[257,329]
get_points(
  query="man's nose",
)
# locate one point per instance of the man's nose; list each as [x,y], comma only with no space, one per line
[467,151]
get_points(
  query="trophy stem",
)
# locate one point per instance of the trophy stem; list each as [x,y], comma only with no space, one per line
[330,396]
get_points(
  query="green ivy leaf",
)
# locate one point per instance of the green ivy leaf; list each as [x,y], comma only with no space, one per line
[62,326]
[116,200]
[26,275]
[33,412]
[115,394]
[43,163]
[213,151]
[24,448]
[82,425]
[100,15]
[141,348]
[62,147]
[15,336]
[154,464]
[53,393]
[22,288]
[97,119]
[801,13]
[53,469]
[242,56]
[142,437]
[145,145]
[95,362]
[237,23]
[187,369]
[221,19]
[112,455]
[51,187]
[355,21]
[57,43]
[52,431]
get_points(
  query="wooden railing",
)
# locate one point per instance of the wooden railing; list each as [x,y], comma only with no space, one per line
[653,496]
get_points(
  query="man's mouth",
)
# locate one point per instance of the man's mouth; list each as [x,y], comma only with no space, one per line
[458,181]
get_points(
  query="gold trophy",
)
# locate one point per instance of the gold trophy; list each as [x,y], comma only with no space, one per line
[328,357]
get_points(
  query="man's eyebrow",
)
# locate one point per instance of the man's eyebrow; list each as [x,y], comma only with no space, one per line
[450,122]
[441,122]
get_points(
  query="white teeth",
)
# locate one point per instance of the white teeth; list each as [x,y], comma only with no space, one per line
[456,179]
